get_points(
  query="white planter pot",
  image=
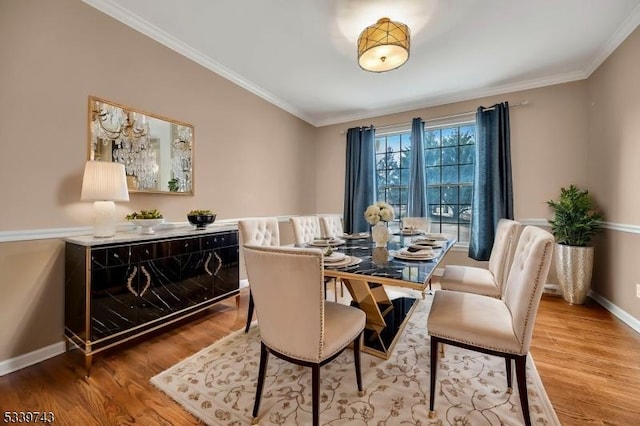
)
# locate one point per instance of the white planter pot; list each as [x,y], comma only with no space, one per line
[574,266]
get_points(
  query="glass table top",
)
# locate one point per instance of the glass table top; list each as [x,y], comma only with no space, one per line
[379,262]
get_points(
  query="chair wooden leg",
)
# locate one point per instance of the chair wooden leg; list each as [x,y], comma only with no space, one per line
[315,386]
[507,363]
[249,313]
[521,377]
[356,358]
[262,372]
[432,371]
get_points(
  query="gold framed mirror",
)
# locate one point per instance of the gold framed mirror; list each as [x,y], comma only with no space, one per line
[157,152]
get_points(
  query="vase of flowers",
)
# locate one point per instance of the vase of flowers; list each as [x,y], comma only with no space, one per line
[377,215]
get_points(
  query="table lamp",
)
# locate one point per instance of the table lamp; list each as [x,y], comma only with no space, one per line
[103,183]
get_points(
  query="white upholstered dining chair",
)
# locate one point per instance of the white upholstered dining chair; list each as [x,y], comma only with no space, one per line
[296,323]
[262,231]
[305,229]
[498,327]
[489,282]
[418,223]
[331,226]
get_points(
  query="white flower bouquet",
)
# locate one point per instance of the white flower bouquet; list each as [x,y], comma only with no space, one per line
[379,211]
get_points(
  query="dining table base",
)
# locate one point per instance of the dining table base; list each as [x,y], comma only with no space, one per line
[386,318]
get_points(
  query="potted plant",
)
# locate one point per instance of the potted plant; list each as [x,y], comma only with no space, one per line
[574,224]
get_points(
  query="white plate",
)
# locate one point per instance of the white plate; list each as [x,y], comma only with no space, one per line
[347,261]
[358,236]
[411,232]
[334,257]
[436,237]
[426,243]
[404,255]
[324,243]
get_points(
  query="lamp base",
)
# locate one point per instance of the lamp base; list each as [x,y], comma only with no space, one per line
[104,219]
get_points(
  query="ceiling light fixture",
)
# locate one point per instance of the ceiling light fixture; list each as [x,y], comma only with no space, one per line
[383,46]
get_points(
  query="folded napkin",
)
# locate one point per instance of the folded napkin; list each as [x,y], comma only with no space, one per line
[436,237]
[407,231]
[356,235]
[408,252]
[424,243]
[325,241]
[334,257]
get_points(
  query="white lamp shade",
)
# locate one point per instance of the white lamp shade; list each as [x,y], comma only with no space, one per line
[104,181]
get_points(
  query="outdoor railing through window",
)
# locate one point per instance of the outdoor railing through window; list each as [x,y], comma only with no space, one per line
[449,162]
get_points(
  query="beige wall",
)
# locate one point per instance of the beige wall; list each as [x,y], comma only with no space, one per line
[31,296]
[251,158]
[548,144]
[548,149]
[614,171]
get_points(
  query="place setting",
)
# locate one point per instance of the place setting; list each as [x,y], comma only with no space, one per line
[424,242]
[324,242]
[356,236]
[336,259]
[409,231]
[415,252]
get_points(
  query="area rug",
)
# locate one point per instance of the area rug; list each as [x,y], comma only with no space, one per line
[217,385]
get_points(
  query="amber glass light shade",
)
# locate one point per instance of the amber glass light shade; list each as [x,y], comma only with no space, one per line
[383,46]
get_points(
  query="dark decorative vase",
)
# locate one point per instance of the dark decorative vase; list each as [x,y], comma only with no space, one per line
[201,220]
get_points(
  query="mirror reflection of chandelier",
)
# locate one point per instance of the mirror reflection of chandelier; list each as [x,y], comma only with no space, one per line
[181,159]
[129,132]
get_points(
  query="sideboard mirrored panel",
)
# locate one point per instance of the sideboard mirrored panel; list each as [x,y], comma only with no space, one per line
[157,152]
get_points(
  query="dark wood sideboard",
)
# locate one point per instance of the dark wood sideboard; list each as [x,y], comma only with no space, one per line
[120,288]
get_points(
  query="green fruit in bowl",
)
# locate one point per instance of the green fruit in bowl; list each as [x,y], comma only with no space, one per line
[200,213]
[145,214]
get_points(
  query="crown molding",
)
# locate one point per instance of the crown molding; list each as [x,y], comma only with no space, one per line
[458,97]
[627,27]
[115,11]
[139,24]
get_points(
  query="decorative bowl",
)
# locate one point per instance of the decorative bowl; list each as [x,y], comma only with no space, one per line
[201,220]
[146,225]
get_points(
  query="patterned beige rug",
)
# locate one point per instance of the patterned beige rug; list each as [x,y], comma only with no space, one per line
[217,385]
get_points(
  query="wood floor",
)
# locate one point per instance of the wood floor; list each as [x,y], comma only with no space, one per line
[588,360]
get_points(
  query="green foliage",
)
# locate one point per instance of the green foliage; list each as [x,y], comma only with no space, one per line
[145,214]
[575,221]
[200,213]
[173,185]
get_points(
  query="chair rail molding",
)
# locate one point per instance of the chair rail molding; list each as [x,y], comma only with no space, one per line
[48,233]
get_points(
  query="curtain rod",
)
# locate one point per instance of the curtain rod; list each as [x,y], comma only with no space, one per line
[461,114]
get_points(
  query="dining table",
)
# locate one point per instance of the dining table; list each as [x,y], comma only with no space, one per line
[370,273]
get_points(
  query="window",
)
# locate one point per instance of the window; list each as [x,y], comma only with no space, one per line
[449,161]
[392,172]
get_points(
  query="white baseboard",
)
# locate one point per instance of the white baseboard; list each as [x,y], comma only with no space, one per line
[621,314]
[14,364]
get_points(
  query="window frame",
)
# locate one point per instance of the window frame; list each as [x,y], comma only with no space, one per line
[456,209]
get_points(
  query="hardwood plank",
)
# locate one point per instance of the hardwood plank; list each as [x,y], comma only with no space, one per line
[587,360]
